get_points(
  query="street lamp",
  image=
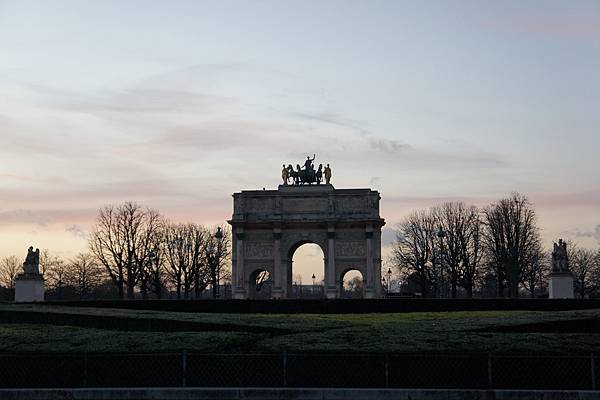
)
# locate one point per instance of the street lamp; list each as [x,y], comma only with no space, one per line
[389,274]
[218,237]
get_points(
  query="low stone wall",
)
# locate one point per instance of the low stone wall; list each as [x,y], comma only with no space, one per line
[297,394]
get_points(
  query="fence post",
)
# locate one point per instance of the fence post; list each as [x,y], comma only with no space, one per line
[85,368]
[593,368]
[387,371]
[183,367]
[489,367]
[284,369]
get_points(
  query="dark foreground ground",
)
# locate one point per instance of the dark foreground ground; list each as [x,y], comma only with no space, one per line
[69,346]
[61,328]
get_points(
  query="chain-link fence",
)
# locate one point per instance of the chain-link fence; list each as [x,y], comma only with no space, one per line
[329,370]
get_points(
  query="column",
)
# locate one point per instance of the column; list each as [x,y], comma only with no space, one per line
[370,270]
[278,273]
[331,288]
[240,284]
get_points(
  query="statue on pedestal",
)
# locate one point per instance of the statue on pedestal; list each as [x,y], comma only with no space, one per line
[31,266]
[285,174]
[561,279]
[327,173]
[29,285]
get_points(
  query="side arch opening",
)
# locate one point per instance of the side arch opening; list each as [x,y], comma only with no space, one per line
[260,284]
[352,284]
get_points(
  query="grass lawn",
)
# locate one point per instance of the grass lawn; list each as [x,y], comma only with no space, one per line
[252,333]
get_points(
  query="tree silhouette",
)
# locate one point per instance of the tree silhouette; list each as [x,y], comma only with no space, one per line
[512,240]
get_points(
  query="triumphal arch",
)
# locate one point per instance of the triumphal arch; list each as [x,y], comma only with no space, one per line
[269,225]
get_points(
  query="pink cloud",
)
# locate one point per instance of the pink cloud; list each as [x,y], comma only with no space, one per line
[561,28]
[564,26]
[20,178]
[582,199]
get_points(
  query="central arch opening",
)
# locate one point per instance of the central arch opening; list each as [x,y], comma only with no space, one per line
[307,272]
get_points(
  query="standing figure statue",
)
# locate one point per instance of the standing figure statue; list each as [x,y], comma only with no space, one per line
[285,175]
[308,164]
[327,173]
[320,174]
[560,260]
[32,261]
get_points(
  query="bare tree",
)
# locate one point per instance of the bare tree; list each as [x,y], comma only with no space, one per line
[460,249]
[150,232]
[176,256]
[413,248]
[471,248]
[46,260]
[353,287]
[56,270]
[200,262]
[511,238]
[584,266]
[122,241]
[155,268]
[10,267]
[217,252]
[185,246]
[84,274]
[535,271]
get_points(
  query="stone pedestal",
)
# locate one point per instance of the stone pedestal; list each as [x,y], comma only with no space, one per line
[561,286]
[29,288]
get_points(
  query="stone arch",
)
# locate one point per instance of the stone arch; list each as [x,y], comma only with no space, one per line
[268,226]
[259,285]
[343,293]
[290,257]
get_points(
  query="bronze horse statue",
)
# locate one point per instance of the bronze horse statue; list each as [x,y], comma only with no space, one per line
[305,176]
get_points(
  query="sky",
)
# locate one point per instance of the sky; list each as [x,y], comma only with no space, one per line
[179,104]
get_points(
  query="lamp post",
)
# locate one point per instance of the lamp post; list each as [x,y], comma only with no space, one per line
[389,275]
[313,287]
[218,238]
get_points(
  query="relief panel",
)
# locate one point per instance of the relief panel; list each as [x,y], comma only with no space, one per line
[351,204]
[350,248]
[305,205]
[259,250]
[261,204]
